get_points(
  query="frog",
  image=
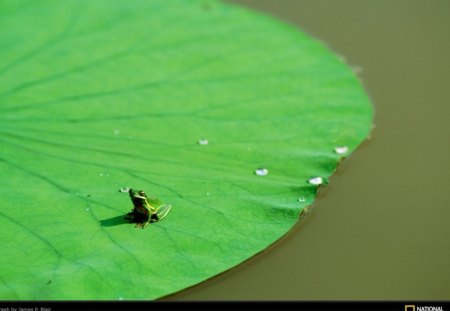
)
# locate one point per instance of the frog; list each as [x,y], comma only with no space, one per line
[143,212]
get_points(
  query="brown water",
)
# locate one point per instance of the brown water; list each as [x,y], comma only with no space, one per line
[381,229]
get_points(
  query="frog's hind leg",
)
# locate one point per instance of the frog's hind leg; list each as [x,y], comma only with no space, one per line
[154,217]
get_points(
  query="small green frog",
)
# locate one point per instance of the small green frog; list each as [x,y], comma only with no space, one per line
[143,212]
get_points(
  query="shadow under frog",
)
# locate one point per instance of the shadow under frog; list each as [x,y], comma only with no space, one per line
[142,213]
[114,221]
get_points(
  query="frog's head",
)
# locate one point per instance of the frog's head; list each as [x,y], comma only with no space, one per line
[137,194]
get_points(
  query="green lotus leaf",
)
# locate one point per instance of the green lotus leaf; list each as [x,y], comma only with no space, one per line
[185,100]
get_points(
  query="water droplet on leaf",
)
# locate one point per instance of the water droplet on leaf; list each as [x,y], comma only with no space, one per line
[315,180]
[87,209]
[124,189]
[208,194]
[306,210]
[302,199]
[341,149]
[261,171]
[203,141]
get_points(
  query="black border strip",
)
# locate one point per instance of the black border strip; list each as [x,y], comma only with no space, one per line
[288,305]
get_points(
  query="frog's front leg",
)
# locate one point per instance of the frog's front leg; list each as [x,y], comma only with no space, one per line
[142,224]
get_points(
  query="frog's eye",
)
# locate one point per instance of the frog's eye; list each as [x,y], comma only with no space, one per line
[142,193]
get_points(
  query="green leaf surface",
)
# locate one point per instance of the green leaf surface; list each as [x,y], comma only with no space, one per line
[99,95]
